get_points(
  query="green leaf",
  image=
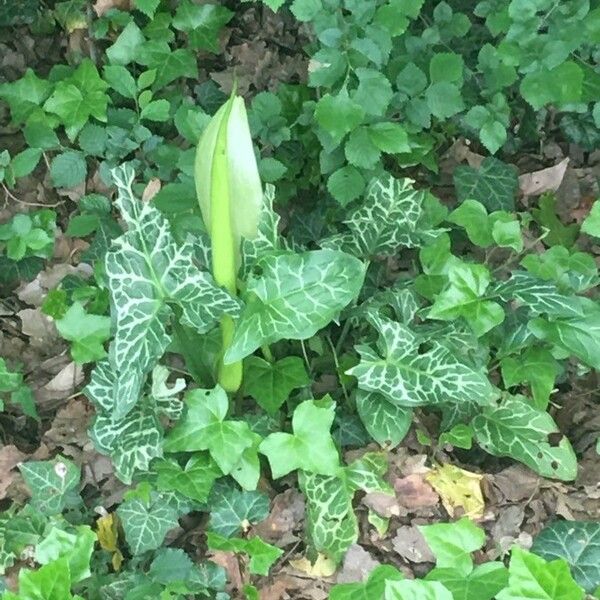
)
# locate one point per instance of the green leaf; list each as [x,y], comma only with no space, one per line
[591,224]
[169,64]
[39,134]
[195,480]
[472,216]
[270,384]
[464,297]
[577,542]
[483,583]
[24,95]
[446,66]
[171,565]
[389,137]
[386,423]
[409,378]
[577,336]
[68,169]
[560,85]
[121,80]
[453,543]
[203,23]
[444,99]
[204,427]
[545,215]
[233,510]
[52,483]
[524,433]
[146,523]
[25,162]
[533,578]
[346,184]
[416,589]
[411,80]
[393,214]
[262,555]
[86,332]
[494,184]
[360,150]
[535,366]
[50,582]
[78,97]
[374,91]
[126,46]
[310,447]
[157,110]
[148,7]
[148,273]
[306,10]
[338,115]
[293,297]
[373,587]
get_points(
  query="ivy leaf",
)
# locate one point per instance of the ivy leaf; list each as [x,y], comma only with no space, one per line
[591,224]
[373,587]
[148,7]
[52,484]
[78,97]
[169,64]
[146,523]
[533,578]
[294,296]
[393,214]
[310,447]
[464,297]
[202,23]
[86,332]
[170,565]
[483,583]
[49,582]
[386,423]
[535,366]
[262,555]
[558,233]
[494,184]
[195,480]
[233,510]
[204,427]
[524,433]
[338,115]
[453,543]
[24,95]
[408,378]
[270,384]
[577,542]
[416,589]
[126,46]
[148,274]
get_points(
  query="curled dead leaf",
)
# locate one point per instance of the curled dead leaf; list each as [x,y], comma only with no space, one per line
[459,490]
[545,180]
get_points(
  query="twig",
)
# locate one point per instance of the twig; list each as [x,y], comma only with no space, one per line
[8,194]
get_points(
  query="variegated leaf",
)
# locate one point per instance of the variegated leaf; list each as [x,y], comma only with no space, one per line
[294,296]
[391,216]
[147,272]
[409,376]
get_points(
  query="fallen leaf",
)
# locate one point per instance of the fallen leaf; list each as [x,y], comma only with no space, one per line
[383,504]
[458,489]
[229,562]
[287,512]
[322,567]
[410,544]
[39,328]
[358,563]
[414,492]
[103,6]
[10,457]
[513,484]
[107,532]
[70,425]
[151,189]
[545,180]
[508,522]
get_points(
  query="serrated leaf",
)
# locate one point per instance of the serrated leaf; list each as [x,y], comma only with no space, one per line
[494,184]
[52,484]
[147,274]
[408,378]
[146,523]
[204,427]
[416,589]
[169,64]
[170,565]
[310,447]
[262,555]
[387,423]
[232,510]
[338,115]
[293,297]
[523,432]
[533,578]
[374,91]
[453,543]
[389,137]
[270,383]
[346,184]
[392,215]
[68,169]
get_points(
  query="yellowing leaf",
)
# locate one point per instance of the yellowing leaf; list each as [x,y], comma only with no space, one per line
[322,567]
[458,489]
[108,537]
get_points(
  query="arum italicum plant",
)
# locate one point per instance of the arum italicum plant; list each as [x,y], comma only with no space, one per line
[230,196]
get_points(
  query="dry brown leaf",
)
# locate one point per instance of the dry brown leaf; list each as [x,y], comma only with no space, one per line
[103,6]
[39,328]
[287,512]
[514,484]
[10,457]
[459,490]
[383,504]
[545,180]
[151,189]
[70,425]
[414,492]
[229,562]
[358,563]
[411,545]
